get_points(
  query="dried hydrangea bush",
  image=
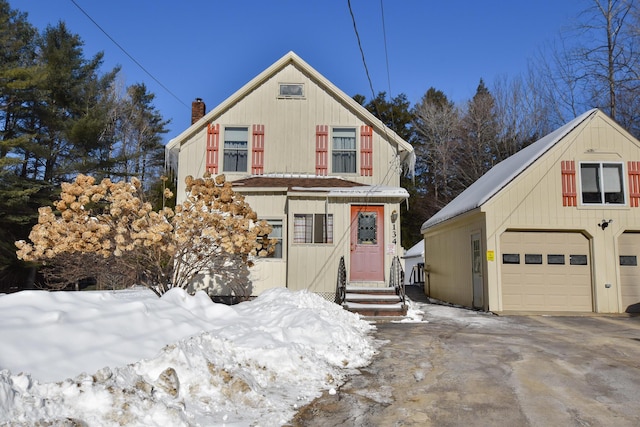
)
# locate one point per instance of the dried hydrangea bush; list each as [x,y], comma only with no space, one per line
[213,229]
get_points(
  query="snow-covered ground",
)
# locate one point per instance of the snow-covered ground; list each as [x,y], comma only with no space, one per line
[131,358]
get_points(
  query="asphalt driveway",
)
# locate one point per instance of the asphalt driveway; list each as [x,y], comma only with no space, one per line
[464,368]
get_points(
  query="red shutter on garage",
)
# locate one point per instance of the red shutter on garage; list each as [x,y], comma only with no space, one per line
[257,150]
[366,151]
[322,149]
[213,141]
[569,195]
[634,183]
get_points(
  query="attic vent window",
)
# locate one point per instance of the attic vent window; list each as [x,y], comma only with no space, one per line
[291,90]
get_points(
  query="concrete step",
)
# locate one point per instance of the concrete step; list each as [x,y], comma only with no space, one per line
[374,301]
[373,298]
[375,310]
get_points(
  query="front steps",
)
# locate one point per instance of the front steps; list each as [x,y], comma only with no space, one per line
[374,302]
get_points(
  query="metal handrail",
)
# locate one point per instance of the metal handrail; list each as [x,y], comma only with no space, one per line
[396,278]
[341,282]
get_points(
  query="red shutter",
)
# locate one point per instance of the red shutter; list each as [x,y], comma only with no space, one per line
[569,195]
[634,183]
[366,151]
[213,141]
[257,150]
[322,149]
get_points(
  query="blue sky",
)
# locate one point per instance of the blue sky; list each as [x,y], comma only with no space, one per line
[209,49]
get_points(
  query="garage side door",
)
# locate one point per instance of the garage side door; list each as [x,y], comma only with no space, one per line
[629,252]
[546,271]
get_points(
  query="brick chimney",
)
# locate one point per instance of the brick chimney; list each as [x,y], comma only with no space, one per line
[197,110]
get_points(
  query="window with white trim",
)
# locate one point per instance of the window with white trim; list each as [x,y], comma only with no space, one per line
[602,183]
[276,234]
[313,228]
[291,90]
[343,150]
[236,149]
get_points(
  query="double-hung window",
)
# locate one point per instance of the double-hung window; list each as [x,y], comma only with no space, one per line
[343,150]
[313,228]
[236,149]
[276,233]
[602,183]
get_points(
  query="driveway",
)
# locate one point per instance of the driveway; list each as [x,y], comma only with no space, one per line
[464,368]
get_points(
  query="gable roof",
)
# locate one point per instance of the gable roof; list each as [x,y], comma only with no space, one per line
[407,155]
[416,250]
[503,173]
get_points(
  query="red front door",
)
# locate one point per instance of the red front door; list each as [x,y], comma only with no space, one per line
[367,244]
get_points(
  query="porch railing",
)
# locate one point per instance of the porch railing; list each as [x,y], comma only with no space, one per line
[341,282]
[396,279]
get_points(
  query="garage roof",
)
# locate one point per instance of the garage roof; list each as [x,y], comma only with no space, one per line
[503,173]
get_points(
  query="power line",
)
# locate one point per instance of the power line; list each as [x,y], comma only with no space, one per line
[127,53]
[386,57]
[366,69]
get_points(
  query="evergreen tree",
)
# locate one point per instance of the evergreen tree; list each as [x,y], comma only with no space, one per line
[478,135]
[138,150]
[69,121]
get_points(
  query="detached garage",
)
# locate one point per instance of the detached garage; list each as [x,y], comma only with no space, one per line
[553,228]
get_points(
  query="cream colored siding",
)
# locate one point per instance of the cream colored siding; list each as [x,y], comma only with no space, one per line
[290,152]
[629,244]
[529,209]
[533,201]
[269,272]
[290,133]
[448,256]
[314,266]
[545,286]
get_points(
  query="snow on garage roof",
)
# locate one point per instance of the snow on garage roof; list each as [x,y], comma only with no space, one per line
[501,174]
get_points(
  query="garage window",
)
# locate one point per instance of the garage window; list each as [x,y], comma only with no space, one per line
[602,183]
[578,259]
[628,260]
[511,258]
[555,259]
[533,258]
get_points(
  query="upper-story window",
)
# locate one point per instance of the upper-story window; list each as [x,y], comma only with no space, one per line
[343,150]
[236,149]
[291,90]
[602,183]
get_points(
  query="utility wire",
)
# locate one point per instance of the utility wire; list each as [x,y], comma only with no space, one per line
[386,57]
[127,53]
[366,69]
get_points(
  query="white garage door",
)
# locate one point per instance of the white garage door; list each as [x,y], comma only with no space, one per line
[629,252]
[545,271]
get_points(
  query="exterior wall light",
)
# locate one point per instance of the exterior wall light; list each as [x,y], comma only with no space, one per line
[604,223]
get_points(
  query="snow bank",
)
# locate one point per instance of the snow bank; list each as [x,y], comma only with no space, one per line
[111,358]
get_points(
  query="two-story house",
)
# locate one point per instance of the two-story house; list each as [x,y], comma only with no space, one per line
[555,227]
[321,169]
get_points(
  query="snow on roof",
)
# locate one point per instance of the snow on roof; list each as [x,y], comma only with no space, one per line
[416,250]
[501,174]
